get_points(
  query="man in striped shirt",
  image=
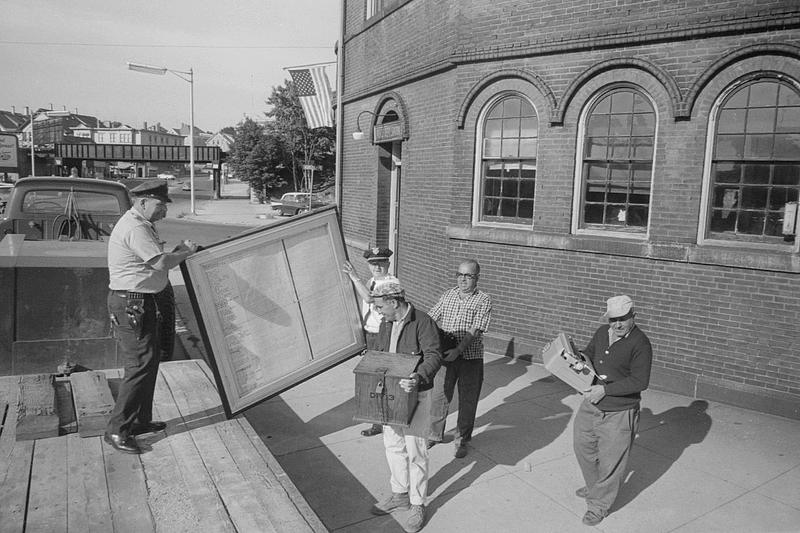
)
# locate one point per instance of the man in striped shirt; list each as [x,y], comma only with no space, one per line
[464,312]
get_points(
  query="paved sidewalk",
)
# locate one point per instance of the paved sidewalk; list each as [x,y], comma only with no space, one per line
[696,466]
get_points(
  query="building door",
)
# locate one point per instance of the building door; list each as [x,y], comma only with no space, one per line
[394,202]
[387,230]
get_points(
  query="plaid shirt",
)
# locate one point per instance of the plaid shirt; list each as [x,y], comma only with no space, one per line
[458,315]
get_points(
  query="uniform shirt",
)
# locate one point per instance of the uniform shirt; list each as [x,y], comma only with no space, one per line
[372,318]
[133,242]
[458,315]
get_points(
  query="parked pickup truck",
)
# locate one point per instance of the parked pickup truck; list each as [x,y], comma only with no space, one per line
[54,208]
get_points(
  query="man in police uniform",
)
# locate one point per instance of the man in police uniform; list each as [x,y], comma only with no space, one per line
[138,269]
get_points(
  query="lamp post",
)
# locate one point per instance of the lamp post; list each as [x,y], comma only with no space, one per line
[33,144]
[188,77]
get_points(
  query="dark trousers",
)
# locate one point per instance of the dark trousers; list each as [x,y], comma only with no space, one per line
[602,441]
[140,353]
[467,375]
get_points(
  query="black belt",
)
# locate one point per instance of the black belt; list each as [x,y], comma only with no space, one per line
[133,295]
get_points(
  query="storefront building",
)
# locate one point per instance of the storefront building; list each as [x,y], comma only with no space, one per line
[580,150]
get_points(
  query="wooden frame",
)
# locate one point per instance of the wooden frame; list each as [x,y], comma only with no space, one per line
[274,307]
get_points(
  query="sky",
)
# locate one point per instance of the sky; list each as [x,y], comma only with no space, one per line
[73,55]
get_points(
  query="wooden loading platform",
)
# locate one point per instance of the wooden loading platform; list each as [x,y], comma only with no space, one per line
[204,473]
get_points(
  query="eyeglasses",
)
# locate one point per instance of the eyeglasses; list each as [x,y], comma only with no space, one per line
[622,318]
[465,275]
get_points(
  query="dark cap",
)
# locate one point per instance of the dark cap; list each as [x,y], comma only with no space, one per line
[377,254]
[152,189]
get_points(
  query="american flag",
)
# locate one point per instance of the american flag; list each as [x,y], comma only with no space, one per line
[314,92]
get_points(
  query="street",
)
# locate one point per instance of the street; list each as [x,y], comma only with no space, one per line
[174,230]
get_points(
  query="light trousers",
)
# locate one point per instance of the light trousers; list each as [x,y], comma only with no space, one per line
[407,456]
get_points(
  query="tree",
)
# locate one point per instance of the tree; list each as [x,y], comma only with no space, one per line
[301,145]
[257,158]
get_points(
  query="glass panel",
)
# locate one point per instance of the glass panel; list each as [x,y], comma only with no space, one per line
[619,147]
[621,124]
[526,109]
[511,127]
[510,189]
[511,169]
[493,170]
[754,197]
[637,216]
[761,120]
[493,128]
[731,121]
[527,147]
[617,194]
[788,120]
[491,187]
[594,171]
[603,106]
[508,208]
[774,224]
[526,209]
[726,172]
[596,148]
[786,96]
[597,126]
[640,199]
[622,102]
[526,188]
[528,170]
[491,148]
[511,107]
[737,100]
[756,174]
[787,146]
[530,127]
[750,223]
[729,147]
[593,214]
[510,148]
[641,104]
[615,215]
[786,175]
[641,173]
[725,198]
[763,94]
[496,111]
[779,196]
[491,206]
[758,146]
[644,124]
[642,148]
[722,222]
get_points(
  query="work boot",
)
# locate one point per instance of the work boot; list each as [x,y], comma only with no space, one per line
[393,502]
[415,520]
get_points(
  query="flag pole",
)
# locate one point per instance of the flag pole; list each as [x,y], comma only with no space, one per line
[310,65]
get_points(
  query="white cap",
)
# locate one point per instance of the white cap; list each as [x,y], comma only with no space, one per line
[618,306]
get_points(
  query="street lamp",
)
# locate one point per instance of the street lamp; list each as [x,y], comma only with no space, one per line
[48,114]
[188,77]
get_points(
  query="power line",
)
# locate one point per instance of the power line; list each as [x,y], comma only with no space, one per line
[137,45]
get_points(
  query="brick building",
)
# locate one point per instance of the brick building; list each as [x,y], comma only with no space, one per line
[579,150]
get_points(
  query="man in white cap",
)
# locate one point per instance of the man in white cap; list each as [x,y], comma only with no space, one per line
[408,330]
[608,417]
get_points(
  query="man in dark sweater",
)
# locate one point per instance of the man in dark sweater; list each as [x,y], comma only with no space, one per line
[608,417]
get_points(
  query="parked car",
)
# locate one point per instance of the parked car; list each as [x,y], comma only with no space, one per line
[166,176]
[297,202]
[5,192]
[64,208]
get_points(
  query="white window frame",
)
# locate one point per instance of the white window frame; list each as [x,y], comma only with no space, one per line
[477,183]
[577,193]
[705,200]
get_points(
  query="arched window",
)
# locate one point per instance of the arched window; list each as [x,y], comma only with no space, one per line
[755,166]
[508,141]
[617,162]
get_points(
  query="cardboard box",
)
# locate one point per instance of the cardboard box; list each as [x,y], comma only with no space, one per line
[559,356]
[379,398]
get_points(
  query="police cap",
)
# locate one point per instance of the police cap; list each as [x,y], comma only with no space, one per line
[152,189]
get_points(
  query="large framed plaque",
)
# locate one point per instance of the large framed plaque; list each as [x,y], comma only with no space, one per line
[274,307]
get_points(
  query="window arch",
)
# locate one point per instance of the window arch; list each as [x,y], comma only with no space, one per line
[617,162]
[754,177]
[508,141]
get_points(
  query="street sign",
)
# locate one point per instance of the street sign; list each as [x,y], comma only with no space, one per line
[8,150]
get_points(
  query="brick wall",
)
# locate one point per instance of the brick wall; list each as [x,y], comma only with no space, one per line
[723,321]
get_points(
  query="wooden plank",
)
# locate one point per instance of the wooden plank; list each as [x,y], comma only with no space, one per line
[47,500]
[14,487]
[283,478]
[88,508]
[195,395]
[182,496]
[36,407]
[284,515]
[127,491]
[93,402]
